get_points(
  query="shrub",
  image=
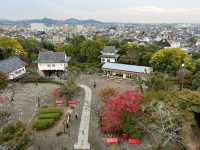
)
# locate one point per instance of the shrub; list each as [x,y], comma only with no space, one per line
[107,93]
[158,81]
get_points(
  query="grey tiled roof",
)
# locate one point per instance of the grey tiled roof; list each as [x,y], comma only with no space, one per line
[129,68]
[52,57]
[109,49]
[11,64]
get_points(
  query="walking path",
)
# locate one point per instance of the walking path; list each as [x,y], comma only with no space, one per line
[83,143]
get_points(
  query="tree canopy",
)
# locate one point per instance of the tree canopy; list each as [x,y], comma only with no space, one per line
[196,81]
[169,60]
[10,46]
[136,54]
[114,109]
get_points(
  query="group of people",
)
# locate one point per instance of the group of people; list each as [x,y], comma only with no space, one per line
[66,121]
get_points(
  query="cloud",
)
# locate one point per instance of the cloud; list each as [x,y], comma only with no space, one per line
[151,14]
[144,14]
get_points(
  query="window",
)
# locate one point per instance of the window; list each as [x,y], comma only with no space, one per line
[53,65]
[48,65]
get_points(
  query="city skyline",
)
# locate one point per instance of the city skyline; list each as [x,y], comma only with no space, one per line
[146,11]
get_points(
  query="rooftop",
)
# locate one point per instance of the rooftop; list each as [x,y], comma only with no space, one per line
[11,64]
[52,57]
[128,68]
[110,49]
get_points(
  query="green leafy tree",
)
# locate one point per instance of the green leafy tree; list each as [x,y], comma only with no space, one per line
[197,63]
[32,46]
[170,59]
[196,81]
[89,51]
[75,46]
[76,40]
[136,54]
[113,42]
[9,47]
[100,41]
[69,87]
[61,47]
[131,125]
[159,81]
[48,46]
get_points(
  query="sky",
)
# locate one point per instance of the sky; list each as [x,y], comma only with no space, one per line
[104,10]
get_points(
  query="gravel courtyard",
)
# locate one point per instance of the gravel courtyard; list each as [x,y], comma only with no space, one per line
[25,98]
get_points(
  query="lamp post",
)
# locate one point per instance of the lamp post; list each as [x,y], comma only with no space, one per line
[182,76]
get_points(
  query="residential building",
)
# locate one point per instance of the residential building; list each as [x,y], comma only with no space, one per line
[13,67]
[109,54]
[38,26]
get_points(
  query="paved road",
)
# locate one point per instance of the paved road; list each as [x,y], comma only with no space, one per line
[83,143]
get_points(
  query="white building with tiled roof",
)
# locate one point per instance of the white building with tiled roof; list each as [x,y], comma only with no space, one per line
[52,61]
[12,67]
[109,54]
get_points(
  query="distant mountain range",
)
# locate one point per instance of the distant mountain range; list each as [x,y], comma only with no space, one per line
[48,21]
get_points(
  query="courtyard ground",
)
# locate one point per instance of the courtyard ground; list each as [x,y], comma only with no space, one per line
[96,139]
[24,106]
[23,103]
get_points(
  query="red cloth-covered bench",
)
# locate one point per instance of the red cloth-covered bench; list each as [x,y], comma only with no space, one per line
[134,141]
[60,102]
[112,141]
[71,103]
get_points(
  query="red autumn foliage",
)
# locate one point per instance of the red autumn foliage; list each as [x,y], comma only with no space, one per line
[112,111]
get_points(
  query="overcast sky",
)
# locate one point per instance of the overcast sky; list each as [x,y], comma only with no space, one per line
[104,10]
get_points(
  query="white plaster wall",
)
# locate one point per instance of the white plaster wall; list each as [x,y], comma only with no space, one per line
[52,66]
[112,60]
[16,73]
[108,53]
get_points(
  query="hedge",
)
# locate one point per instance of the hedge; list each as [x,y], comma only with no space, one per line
[40,124]
[46,118]
[50,110]
[55,116]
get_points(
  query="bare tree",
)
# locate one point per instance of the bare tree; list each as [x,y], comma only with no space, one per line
[168,127]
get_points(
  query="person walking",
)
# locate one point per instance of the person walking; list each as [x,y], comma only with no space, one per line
[95,84]
[76,116]
[64,126]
